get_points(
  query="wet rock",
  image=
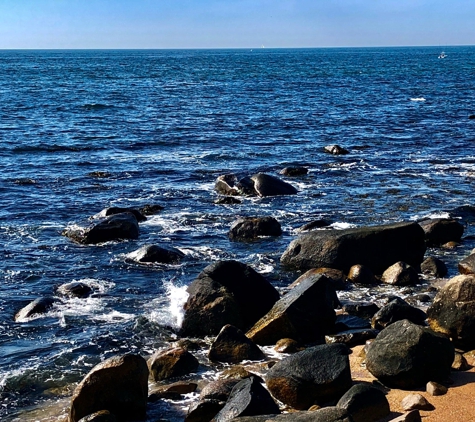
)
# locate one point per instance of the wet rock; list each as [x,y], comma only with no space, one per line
[361,309]
[326,414]
[441,230]
[349,322]
[305,313]
[171,363]
[74,289]
[434,267]
[101,416]
[287,345]
[453,311]
[227,200]
[460,363]
[436,389]
[253,227]
[180,387]
[353,337]
[120,210]
[99,174]
[37,307]
[237,372]
[405,355]
[248,398]
[232,346]
[397,310]
[267,185]
[400,274]
[226,292]
[365,403]
[151,209]
[376,247]
[219,389]
[467,265]
[315,375]
[116,227]
[316,224]
[155,254]
[336,150]
[471,117]
[204,410]
[360,274]
[226,184]
[337,277]
[416,402]
[119,385]
[294,171]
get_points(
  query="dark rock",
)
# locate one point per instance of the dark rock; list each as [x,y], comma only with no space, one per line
[471,117]
[119,385]
[365,403]
[157,395]
[267,185]
[467,265]
[400,274]
[353,337]
[360,274]
[287,345]
[361,309]
[314,375]
[416,402]
[337,277]
[226,292]
[151,209]
[149,254]
[180,387]
[248,398]
[237,372]
[170,363]
[397,310]
[116,227]
[306,313]
[227,200]
[101,416]
[119,210]
[99,174]
[37,307]
[253,227]
[316,224]
[412,416]
[405,355]
[219,389]
[350,322]
[436,389]
[226,185]
[434,267]
[74,289]
[204,410]
[453,311]
[232,346]
[336,150]
[441,230]
[376,247]
[294,171]
[460,363]
[246,186]
[326,414]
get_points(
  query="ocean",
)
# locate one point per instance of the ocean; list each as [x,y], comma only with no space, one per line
[84,130]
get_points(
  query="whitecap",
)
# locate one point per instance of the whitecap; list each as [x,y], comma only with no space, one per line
[418,99]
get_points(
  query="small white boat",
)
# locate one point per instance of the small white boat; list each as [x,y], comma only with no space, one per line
[442,55]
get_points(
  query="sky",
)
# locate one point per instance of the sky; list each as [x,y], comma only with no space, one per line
[45,24]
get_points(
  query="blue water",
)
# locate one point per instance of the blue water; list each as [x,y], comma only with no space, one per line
[162,126]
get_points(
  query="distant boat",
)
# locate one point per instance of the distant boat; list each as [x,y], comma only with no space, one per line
[442,55]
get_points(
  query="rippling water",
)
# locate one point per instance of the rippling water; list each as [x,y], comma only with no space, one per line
[83,130]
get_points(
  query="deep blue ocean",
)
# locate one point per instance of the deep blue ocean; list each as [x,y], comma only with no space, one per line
[84,130]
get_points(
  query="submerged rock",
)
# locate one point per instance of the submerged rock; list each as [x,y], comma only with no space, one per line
[267,185]
[149,254]
[249,228]
[120,210]
[38,306]
[336,150]
[294,171]
[75,289]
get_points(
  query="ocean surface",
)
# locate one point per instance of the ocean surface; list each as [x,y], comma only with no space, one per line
[84,130]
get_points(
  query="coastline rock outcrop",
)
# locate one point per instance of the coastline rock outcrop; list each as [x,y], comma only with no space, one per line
[260,184]
[376,247]
[226,292]
[249,228]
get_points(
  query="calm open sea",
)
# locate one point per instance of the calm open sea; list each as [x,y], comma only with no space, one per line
[161,126]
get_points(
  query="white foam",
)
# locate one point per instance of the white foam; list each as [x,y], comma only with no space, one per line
[342,226]
[170,313]
[418,99]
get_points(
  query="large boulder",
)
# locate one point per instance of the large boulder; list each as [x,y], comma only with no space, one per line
[116,227]
[267,185]
[119,210]
[249,228]
[226,292]
[39,306]
[453,311]
[406,356]
[247,398]
[397,310]
[315,375]
[441,230]
[467,265]
[376,247]
[365,403]
[171,363]
[119,385]
[305,313]
[326,414]
[149,254]
[434,267]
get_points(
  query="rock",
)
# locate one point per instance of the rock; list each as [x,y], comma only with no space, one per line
[436,389]
[119,385]
[119,210]
[204,410]
[227,200]
[170,363]
[416,402]
[219,389]
[453,311]
[335,282]
[338,278]
[237,372]
[253,227]
[314,375]
[376,247]
[397,310]
[116,227]
[101,416]
[400,274]
[74,289]
[151,209]
[149,254]
[406,356]
[326,414]
[441,230]
[460,363]
[361,309]
[287,345]
[316,224]
[226,292]
[294,171]
[248,398]
[336,150]
[232,346]
[37,307]
[471,117]
[226,185]
[180,387]
[360,274]
[434,267]
[450,245]
[364,403]
[350,322]
[305,313]
[467,265]
[412,416]
[352,337]
[267,185]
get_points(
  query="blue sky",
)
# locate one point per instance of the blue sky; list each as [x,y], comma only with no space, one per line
[234,23]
